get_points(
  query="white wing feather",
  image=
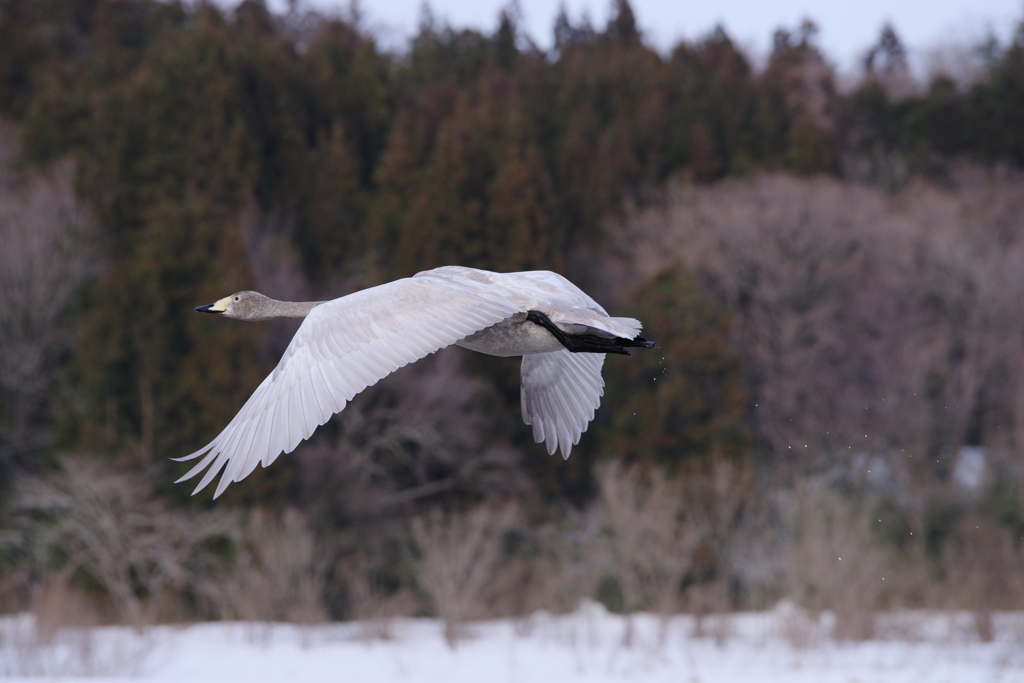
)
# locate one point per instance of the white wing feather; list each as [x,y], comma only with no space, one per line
[541,290]
[560,392]
[342,347]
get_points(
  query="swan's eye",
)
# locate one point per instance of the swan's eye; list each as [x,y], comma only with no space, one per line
[238,298]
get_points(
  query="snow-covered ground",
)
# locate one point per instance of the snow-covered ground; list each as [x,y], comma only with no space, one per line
[777,646]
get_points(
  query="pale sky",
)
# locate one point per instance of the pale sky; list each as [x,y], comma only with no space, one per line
[847,29]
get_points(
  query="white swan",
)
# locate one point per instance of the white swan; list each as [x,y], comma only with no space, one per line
[348,344]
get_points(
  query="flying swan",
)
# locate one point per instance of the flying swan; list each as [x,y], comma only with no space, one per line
[348,344]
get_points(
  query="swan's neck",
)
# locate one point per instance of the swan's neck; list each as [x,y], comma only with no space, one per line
[288,309]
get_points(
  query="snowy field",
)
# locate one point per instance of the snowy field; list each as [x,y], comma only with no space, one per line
[778,646]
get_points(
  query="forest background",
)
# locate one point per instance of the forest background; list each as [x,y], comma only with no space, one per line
[832,267]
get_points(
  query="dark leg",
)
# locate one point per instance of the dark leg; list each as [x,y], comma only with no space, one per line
[588,343]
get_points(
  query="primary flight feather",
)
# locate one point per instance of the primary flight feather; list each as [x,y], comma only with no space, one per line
[348,344]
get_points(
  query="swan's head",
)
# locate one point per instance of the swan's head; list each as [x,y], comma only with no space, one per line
[240,305]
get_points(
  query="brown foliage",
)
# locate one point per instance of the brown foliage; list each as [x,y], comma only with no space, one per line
[984,565]
[650,540]
[458,555]
[469,186]
[277,574]
[864,321]
[419,437]
[836,560]
[108,525]
[45,259]
[684,399]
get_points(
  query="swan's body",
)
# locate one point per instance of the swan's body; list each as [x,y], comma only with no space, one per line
[348,344]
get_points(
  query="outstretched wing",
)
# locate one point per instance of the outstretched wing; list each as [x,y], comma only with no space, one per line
[560,392]
[563,302]
[342,347]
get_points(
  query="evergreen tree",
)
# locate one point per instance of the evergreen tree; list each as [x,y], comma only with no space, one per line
[684,400]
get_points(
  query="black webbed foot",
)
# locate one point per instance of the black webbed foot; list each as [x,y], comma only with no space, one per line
[588,343]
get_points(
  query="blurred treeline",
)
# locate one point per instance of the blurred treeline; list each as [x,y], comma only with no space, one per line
[831,268]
